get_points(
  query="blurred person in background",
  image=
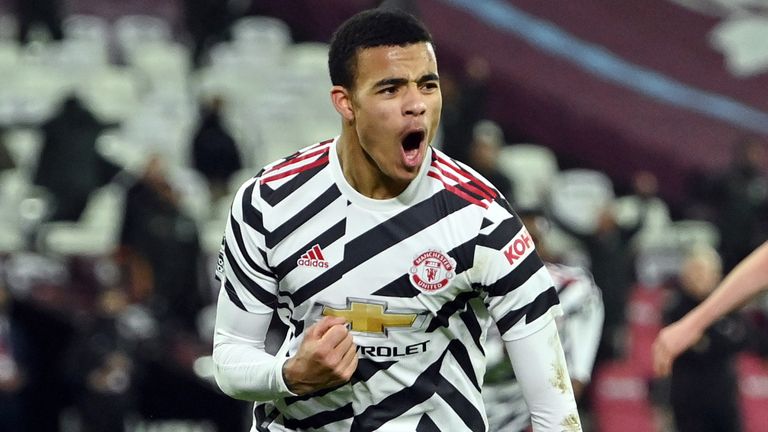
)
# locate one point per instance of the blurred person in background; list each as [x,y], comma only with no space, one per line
[746,281]
[707,367]
[14,364]
[6,160]
[161,244]
[359,276]
[45,13]
[100,366]
[69,166]
[612,265]
[207,23]
[215,153]
[487,140]
[580,329]
[464,105]
[740,199]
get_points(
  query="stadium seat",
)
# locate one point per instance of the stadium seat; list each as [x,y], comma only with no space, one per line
[578,196]
[532,168]
[133,32]
[268,36]
[690,232]
[112,93]
[95,233]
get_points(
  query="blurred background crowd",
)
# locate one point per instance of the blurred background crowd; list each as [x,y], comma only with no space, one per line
[638,135]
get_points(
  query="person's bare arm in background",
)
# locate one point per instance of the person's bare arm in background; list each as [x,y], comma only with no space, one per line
[743,283]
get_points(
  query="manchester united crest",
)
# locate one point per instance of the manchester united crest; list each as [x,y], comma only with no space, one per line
[432,270]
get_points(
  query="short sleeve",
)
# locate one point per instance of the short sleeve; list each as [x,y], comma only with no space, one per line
[520,294]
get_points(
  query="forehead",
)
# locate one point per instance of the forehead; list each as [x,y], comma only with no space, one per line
[409,61]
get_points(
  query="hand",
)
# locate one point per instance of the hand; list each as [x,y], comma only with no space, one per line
[327,357]
[670,343]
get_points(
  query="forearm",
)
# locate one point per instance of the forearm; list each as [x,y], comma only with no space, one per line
[743,283]
[243,369]
[541,370]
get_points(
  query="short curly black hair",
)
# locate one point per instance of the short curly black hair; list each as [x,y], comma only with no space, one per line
[368,29]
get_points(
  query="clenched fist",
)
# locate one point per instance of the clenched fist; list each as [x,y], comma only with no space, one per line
[327,357]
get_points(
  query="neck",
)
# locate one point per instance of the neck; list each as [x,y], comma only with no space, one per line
[362,172]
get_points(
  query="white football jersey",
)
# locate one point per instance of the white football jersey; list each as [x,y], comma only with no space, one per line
[419,278]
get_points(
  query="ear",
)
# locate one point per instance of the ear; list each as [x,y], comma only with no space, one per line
[342,102]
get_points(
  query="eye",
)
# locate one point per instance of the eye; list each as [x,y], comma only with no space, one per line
[388,90]
[430,86]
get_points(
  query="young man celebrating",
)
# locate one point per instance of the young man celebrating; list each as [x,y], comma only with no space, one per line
[360,275]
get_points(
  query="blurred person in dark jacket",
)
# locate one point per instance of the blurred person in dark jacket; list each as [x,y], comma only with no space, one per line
[741,201]
[46,13]
[159,237]
[207,22]
[464,100]
[101,367]
[6,160]
[612,265]
[704,384]
[214,151]
[487,140]
[69,166]
[14,361]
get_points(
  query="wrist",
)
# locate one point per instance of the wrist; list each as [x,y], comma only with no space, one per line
[286,376]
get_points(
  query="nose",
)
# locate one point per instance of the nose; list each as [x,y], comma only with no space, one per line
[414,103]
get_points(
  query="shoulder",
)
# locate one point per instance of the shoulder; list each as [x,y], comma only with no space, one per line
[292,169]
[460,179]
[281,170]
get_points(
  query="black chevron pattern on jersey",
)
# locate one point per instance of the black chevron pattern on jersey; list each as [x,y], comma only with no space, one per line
[397,228]
[263,415]
[257,291]
[426,425]
[531,311]
[321,419]
[366,368]
[429,383]
[307,213]
[499,237]
[473,326]
[325,239]
[251,216]
[442,317]
[233,295]
[400,287]
[460,353]
[524,270]
[241,246]
[276,334]
[274,197]
[464,254]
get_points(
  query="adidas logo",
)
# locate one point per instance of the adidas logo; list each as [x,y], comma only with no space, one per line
[313,258]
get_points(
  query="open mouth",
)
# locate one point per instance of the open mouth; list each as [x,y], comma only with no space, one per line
[412,141]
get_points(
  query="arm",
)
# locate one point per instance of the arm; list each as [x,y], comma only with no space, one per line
[247,302]
[743,283]
[523,302]
[244,370]
[550,400]
[242,367]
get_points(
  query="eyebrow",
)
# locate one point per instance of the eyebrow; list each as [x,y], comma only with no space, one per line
[402,81]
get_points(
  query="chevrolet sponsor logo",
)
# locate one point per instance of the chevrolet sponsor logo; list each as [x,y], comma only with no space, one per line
[372,318]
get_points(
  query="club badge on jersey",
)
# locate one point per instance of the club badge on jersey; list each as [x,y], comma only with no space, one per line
[432,270]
